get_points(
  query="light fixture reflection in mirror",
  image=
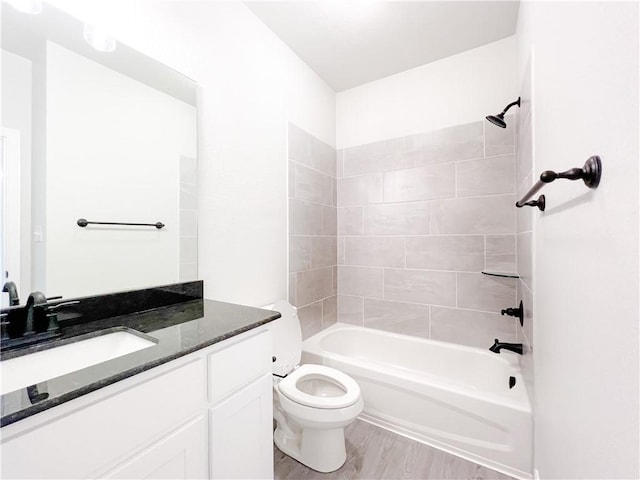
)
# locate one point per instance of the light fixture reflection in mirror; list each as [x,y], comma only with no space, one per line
[99,38]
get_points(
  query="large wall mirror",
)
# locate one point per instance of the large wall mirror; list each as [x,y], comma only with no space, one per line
[106,136]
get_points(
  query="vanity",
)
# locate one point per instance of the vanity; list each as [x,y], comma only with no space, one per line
[194,402]
[102,196]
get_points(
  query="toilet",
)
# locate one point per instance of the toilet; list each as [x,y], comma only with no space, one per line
[312,403]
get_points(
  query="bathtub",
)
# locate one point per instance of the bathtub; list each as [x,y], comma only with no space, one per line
[449,396]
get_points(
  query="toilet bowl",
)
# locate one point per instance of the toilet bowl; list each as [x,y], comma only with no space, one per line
[312,403]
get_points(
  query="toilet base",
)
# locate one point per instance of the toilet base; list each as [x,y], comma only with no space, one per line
[321,450]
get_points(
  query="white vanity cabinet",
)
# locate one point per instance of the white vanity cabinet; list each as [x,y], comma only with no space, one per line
[205,415]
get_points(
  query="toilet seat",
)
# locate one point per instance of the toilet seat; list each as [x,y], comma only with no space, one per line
[288,387]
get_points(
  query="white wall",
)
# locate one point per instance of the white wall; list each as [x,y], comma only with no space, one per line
[16,114]
[113,154]
[459,89]
[251,86]
[586,247]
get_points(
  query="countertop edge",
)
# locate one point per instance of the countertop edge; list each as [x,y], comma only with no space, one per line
[104,382]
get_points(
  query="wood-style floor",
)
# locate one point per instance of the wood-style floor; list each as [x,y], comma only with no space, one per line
[374,453]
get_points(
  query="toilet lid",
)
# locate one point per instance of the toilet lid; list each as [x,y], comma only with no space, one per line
[288,387]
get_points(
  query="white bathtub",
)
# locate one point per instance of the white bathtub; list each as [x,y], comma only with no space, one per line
[449,396]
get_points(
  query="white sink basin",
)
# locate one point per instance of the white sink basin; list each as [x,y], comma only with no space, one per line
[20,372]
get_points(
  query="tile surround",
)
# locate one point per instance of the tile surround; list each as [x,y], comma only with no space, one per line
[500,253]
[396,219]
[350,221]
[525,225]
[323,251]
[374,251]
[486,215]
[419,218]
[313,228]
[499,141]
[452,144]
[483,292]
[464,253]
[361,190]
[470,327]
[305,218]
[420,286]
[360,281]
[314,285]
[485,176]
[423,183]
[351,310]
[398,317]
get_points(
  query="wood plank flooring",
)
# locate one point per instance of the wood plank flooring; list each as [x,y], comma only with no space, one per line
[374,454]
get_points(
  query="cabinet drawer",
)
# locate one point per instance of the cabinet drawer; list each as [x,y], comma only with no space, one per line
[238,365]
[90,439]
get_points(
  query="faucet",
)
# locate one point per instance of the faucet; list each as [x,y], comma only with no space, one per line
[34,322]
[10,287]
[37,319]
[512,347]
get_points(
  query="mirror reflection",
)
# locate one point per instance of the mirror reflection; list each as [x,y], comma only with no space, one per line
[106,136]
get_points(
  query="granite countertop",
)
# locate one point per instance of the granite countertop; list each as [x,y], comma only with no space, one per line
[179,329]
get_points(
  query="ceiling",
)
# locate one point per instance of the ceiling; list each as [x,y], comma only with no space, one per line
[351,42]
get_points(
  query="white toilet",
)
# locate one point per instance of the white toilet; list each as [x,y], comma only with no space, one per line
[312,403]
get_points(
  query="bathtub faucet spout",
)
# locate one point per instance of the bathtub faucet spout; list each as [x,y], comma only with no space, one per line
[512,347]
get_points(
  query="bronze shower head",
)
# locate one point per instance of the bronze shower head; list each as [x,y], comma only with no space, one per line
[499,118]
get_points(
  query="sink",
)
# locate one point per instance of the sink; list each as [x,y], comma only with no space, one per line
[21,372]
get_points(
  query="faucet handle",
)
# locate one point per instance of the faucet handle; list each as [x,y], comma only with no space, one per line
[62,304]
[515,312]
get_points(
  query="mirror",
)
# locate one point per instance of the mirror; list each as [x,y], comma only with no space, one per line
[95,135]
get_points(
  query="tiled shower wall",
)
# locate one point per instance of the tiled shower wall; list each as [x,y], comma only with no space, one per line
[312,231]
[525,178]
[419,217]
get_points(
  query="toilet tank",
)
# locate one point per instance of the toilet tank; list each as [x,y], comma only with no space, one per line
[287,338]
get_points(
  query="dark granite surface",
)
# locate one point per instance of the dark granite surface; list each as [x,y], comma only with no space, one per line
[179,329]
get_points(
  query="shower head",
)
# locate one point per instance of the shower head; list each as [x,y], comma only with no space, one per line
[499,118]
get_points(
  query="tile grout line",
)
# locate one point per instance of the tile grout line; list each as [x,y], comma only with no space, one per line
[485,252]
[436,164]
[430,304]
[456,274]
[424,200]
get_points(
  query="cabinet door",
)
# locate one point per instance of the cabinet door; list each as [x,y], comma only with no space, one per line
[180,455]
[241,433]
[102,434]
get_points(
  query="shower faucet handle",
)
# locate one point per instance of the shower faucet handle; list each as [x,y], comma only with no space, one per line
[515,312]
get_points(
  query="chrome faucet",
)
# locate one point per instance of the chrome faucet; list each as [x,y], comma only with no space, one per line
[512,347]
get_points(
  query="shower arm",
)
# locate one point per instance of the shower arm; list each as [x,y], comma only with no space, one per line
[590,174]
[517,102]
